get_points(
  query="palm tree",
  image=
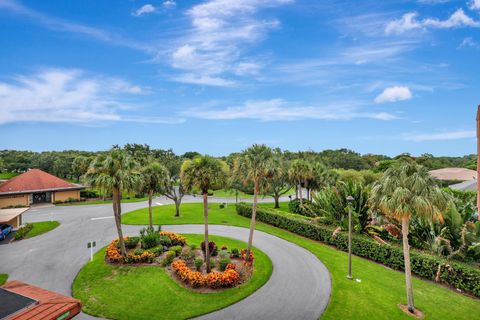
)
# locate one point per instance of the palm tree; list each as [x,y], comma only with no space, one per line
[154,175]
[204,173]
[114,173]
[298,173]
[406,191]
[254,165]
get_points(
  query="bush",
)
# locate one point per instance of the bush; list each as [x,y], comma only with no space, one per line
[188,255]
[156,251]
[88,194]
[177,240]
[23,231]
[458,275]
[165,241]
[198,263]
[138,252]
[212,248]
[235,253]
[193,246]
[305,209]
[131,242]
[222,263]
[176,249]
[149,238]
[169,256]
[222,205]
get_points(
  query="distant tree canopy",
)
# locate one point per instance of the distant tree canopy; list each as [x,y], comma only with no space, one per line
[62,163]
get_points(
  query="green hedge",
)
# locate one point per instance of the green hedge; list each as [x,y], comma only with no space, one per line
[22,232]
[458,275]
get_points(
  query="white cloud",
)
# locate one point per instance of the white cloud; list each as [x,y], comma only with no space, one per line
[410,22]
[468,42]
[66,95]
[221,33]
[204,80]
[452,135]
[146,8]
[281,110]
[406,23]
[393,94]
[169,4]
[474,4]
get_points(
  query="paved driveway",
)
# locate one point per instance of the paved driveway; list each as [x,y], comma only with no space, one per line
[298,289]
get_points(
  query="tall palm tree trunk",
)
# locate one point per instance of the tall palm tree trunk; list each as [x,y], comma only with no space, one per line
[301,194]
[117,212]
[254,217]
[408,271]
[207,244]
[150,218]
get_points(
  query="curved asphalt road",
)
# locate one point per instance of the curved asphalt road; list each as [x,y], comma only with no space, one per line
[299,287]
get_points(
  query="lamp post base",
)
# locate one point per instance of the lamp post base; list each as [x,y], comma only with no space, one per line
[349,277]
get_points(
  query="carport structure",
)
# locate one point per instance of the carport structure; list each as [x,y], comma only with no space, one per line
[12,217]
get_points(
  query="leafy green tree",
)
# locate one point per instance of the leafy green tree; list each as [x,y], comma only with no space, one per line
[254,165]
[204,173]
[80,166]
[153,175]
[405,191]
[278,184]
[114,173]
[172,188]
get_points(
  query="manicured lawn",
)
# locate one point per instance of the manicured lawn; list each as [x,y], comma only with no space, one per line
[231,194]
[375,297]
[3,278]
[148,292]
[7,175]
[41,228]
[82,203]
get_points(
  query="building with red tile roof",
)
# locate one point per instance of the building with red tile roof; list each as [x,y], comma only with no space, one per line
[21,301]
[36,186]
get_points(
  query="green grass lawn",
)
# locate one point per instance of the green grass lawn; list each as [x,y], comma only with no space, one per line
[7,175]
[375,297]
[148,292]
[83,203]
[41,228]
[3,278]
[283,206]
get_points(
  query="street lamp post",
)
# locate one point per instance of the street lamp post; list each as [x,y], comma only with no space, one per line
[350,200]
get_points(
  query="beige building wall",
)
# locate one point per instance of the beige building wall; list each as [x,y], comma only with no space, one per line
[64,195]
[14,200]
[15,222]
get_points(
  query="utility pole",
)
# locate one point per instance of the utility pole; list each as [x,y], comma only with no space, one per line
[350,200]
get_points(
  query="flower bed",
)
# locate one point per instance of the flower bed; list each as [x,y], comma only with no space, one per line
[214,280]
[228,268]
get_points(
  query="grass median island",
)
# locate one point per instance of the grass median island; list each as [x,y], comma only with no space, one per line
[377,295]
[34,229]
[148,292]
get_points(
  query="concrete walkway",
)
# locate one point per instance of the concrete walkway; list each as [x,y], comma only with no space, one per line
[298,289]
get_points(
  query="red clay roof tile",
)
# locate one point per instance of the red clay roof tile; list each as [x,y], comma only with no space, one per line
[33,180]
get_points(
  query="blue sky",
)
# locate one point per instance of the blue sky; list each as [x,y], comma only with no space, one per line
[218,75]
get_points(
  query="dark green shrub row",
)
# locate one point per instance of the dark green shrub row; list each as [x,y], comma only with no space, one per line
[304,209]
[88,194]
[23,231]
[458,275]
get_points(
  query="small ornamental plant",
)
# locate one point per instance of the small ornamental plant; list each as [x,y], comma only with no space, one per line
[250,259]
[213,280]
[177,240]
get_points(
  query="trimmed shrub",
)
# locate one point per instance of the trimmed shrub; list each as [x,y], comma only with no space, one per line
[188,255]
[177,240]
[169,256]
[165,241]
[235,253]
[22,232]
[156,251]
[198,263]
[138,252]
[88,194]
[176,249]
[131,242]
[458,275]
[149,238]
[223,263]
